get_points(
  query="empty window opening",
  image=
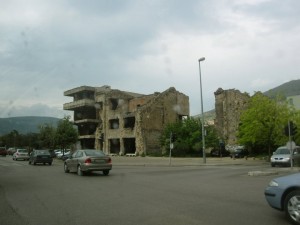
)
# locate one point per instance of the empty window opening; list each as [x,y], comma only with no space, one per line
[114,145]
[87,129]
[87,143]
[114,124]
[129,122]
[86,113]
[129,145]
[84,95]
[114,103]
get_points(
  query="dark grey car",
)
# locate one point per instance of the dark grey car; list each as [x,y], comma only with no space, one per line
[40,156]
[88,160]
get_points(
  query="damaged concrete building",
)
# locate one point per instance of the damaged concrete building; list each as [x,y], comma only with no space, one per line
[121,122]
[229,105]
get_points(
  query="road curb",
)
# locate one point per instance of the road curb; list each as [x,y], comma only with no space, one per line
[262,173]
[274,171]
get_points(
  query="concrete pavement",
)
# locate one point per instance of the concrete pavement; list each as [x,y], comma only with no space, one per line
[166,161]
[265,169]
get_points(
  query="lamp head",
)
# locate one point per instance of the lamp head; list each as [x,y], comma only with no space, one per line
[201,59]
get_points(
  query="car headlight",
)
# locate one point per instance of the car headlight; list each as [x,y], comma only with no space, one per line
[273,183]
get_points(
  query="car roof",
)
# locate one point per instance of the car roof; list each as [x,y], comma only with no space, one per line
[282,147]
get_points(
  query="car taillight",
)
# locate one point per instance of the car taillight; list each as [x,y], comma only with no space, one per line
[109,160]
[88,160]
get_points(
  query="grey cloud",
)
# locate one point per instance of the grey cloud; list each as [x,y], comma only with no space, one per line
[131,45]
[37,109]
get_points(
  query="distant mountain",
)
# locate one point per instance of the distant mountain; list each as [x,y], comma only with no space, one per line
[209,116]
[290,88]
[26,124]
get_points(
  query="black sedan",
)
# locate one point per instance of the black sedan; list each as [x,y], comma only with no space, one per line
[219,153]
[239,153]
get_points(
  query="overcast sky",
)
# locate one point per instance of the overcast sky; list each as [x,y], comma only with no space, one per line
[50,46]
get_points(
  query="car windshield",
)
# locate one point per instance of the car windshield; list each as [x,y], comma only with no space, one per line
[283,151]
[94,153]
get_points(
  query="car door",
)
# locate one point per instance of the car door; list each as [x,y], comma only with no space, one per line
[73,161]
[296,156]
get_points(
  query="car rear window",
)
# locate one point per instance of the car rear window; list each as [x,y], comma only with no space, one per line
[43,152]
[94,153]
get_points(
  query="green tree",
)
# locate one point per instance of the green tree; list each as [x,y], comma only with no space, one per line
[188,134]
[11,139]
[295,118]
[66,134]
[262,124]
[14,139]
[47,136]
[31,141]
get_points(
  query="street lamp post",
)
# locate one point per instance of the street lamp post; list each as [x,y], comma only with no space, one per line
[202,115]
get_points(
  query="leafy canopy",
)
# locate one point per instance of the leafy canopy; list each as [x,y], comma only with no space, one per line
[262,123]
[188,140]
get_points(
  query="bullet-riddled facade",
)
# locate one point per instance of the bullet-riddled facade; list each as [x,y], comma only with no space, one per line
[121,122]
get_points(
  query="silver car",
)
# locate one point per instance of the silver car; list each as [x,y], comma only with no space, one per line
[282,156]
[21,154]
[283,193]
[88,160]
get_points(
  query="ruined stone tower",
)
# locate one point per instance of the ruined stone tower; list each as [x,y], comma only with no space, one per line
[229,105]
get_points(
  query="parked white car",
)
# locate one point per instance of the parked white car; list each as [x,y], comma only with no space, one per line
[21,154]
[60,154]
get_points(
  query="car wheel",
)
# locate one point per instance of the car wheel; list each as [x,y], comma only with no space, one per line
[66,169]
[292,206]
[34,163]
[50,163]
[272,164]
[105,172]
[29,162]
[79,171]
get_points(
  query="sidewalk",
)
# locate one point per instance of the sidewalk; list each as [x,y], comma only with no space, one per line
[166,161]
[147,161]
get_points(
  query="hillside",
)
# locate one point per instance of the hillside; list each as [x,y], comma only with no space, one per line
[290,88]
[27,124]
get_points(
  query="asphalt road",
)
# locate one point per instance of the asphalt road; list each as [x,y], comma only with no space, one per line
[137,193]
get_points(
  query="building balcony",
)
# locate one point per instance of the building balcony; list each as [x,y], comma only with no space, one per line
[81,89]
[91,136]
[83,103]
[83,121]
